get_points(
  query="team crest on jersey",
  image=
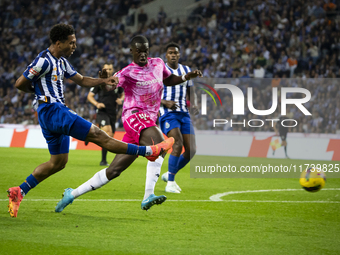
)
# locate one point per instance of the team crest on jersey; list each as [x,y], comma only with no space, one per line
[73,112]
[167,125]
[103,122]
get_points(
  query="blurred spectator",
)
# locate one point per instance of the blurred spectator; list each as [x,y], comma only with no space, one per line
[258,71]
[329,6]
[292,62]
[161,15]
[130,19]
[142,18]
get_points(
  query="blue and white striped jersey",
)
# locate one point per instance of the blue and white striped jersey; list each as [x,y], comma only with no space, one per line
[178,92]
[47,74]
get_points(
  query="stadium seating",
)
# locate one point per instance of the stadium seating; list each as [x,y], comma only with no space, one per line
[225,39]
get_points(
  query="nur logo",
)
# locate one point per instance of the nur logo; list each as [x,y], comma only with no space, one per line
[238,99]
[204,97]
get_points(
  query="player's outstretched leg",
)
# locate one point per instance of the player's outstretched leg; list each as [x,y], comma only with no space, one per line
[15,198]
[100,138]
[152,200]
[65,201]
[161,148]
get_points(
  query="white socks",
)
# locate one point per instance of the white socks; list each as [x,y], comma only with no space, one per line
[148,150]
[153,171]
[97,181]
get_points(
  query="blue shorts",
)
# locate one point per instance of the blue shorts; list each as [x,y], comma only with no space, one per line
[179,120]
[58,123]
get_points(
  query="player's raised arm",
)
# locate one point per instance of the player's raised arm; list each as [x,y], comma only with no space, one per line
[173,80]
[85,81]
[92,100]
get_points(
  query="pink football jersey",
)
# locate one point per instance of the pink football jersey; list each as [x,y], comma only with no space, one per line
[143,86]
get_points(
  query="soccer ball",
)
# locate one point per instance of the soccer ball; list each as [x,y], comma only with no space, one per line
[312,179]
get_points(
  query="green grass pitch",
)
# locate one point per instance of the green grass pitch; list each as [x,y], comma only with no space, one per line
[110,220]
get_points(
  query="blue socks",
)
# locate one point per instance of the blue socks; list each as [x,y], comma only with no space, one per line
[136,150]
[172,167]
[29,184]
[182,162]
[175,164]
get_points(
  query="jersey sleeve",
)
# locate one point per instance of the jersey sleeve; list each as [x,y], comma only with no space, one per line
[166,71]
[69,70]
[38,67]
[95,89]
[121,78]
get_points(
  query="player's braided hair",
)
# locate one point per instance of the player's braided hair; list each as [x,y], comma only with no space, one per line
[172,44]
[138,39]
[60,32]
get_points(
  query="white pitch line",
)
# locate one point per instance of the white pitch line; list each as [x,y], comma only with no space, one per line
[274,201]
[217,197]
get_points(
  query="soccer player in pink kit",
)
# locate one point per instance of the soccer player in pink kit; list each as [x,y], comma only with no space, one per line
[142,81]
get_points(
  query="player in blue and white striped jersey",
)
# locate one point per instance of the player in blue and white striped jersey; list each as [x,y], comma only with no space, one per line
[44,76]
[176,93]
[175,118]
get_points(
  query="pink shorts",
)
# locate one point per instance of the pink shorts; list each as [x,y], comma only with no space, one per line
[134,124]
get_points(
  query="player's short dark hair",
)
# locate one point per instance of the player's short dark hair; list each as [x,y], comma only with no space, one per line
[138,39]
[172,44]
[60,32]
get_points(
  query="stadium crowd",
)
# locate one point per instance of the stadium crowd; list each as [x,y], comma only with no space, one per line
[273,39]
